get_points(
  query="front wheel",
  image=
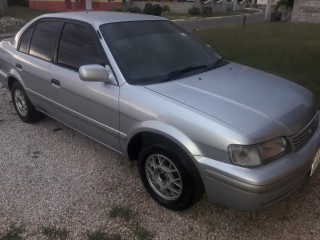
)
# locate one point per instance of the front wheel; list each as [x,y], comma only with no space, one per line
[22,104]
[169,176]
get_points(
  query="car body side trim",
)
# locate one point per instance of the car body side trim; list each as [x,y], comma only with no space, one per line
[91,121]
[3,74]
[3,78]
[122,136]
[257,189]
[77,130]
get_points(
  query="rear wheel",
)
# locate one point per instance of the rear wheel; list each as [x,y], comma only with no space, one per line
[169,176]
[22,104]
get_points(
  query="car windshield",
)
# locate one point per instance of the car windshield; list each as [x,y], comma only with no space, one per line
[156,51]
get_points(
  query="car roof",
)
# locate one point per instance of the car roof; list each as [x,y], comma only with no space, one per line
[97,18]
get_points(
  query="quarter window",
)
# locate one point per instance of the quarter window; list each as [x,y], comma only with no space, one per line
[78,47]
[25,41]
[43,39]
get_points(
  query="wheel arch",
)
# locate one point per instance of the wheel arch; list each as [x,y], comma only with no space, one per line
[25,110]
[163,133]
[13,76]
[11,80]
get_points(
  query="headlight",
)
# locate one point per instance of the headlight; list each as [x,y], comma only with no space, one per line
[244,155]
[255,155]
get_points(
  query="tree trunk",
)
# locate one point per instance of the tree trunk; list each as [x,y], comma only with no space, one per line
[268,11]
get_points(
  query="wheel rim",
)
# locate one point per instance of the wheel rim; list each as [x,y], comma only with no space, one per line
[20,102]
[163,176]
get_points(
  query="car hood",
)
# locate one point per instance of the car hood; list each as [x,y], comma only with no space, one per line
[257,103]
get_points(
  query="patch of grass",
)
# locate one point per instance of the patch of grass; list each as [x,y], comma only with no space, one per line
[15,233]
[127,214]
[23,13]
[141,233]
[122,212]
[55,233]
[100,235]
[290,50]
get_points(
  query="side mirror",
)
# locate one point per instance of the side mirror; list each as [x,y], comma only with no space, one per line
[96,73]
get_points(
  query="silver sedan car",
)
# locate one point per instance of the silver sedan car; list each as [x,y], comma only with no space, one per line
[195,122]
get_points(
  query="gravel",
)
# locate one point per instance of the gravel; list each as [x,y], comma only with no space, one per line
[54,177]
[10,24]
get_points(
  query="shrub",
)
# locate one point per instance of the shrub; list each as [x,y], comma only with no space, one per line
[194,11]
[117,9]
[134,10]
[147,9]
[166,9]
[152,9]
[23,3]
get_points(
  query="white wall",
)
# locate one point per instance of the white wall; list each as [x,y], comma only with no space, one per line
[306,11]
[264,2]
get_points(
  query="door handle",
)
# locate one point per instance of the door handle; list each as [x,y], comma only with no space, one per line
[55,82]
[18,66]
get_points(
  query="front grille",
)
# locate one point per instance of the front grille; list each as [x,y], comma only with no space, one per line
[302,137]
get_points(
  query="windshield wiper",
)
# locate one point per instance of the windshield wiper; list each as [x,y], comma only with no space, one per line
[180,72]
[214,65]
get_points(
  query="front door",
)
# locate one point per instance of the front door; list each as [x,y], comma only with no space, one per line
[89,107]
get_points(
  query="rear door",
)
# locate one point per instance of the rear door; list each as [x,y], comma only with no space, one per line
[33,61]
[90,107]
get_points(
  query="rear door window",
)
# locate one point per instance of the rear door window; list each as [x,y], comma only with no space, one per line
[78,47]
[43,39]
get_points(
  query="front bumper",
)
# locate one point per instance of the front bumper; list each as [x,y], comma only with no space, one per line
[255,188]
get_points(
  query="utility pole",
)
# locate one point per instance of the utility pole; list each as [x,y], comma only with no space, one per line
[268,11]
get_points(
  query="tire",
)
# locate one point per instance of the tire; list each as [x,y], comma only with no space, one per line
[22,104]
[169,176]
